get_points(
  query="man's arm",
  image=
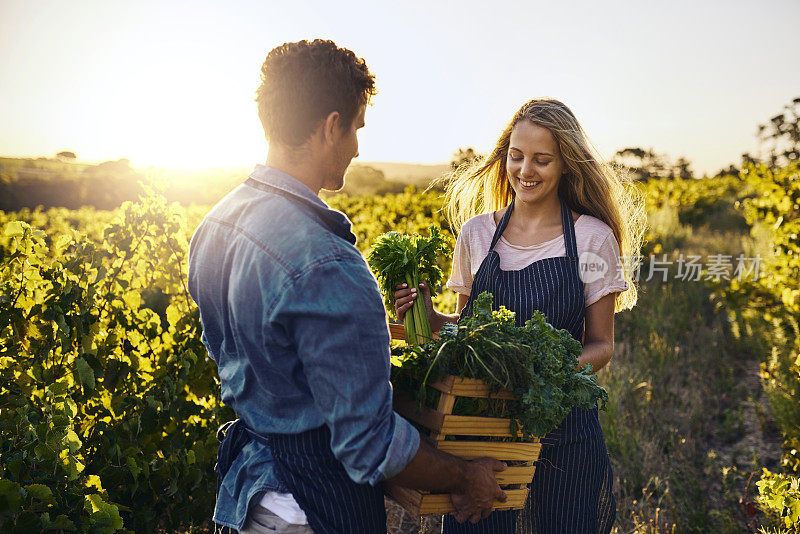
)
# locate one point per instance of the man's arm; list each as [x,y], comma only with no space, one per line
[333,313]
[472,484]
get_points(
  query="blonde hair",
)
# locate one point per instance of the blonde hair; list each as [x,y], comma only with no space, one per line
[590,185]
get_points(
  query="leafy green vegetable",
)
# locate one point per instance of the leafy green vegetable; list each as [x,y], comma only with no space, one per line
[397,258]
[536,362]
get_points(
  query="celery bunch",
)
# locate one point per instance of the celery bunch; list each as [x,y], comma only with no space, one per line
[399,258]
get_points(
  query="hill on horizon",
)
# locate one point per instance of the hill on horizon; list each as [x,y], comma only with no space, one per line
[417,174]
[53,181]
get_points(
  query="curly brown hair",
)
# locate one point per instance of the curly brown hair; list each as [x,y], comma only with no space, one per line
[303,82]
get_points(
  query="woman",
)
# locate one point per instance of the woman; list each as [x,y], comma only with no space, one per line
[543,225]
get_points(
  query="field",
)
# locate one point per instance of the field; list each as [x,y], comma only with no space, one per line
[109,402]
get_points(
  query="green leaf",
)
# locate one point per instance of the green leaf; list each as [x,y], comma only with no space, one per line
[72,441]
[59,422]
[40,492]
[133,467]
[11,495]
[28,523]
[85,373]
[61,522]
[58,388]
[70,408]
[63,240]
[102,513]
[173,314]
[15,229]
[93,481]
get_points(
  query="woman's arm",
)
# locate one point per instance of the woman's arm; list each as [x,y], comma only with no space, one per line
[598,345]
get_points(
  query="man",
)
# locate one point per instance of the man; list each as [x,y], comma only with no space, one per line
[294,320]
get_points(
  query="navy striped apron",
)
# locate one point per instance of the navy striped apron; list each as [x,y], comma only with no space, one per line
[571,490]
[307,468]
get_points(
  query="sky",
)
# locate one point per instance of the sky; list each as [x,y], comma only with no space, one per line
[172,83]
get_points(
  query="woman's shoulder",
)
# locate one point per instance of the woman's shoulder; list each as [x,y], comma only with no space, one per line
[592,230]
[479,224]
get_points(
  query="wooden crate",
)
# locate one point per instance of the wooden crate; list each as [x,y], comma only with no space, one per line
[442,423]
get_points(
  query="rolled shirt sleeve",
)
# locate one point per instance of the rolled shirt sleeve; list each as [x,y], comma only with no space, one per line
[333,313]
[461,277]
[612,280]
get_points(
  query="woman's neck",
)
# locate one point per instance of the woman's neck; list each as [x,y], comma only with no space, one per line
[540,214]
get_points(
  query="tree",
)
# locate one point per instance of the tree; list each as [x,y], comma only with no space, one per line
[643,164]
[682,169]
[779,139]
[648,164]
[66,155]
[464,156]
[366,180]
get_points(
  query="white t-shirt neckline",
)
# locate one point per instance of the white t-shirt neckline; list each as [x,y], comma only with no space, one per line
[591,235]
[530,247]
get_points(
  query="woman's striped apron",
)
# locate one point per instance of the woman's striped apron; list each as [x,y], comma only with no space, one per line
[571,490]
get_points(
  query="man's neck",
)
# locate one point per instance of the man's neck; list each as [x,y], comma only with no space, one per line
[297,165]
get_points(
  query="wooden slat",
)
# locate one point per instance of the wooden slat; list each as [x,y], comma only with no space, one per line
[454,425]
[470,387]
[446,403]
[419,503]
[440,503]
[469,450]
[397,331]
[462,425]
[515,475]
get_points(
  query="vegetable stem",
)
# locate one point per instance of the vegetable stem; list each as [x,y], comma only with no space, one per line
[412,318]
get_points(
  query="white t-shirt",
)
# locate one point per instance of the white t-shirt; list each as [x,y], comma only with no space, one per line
[598,255]
[284,506]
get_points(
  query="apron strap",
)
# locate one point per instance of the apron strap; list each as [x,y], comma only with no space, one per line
[501,226]
[568,227]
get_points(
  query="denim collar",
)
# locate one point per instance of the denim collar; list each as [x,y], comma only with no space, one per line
[278,182]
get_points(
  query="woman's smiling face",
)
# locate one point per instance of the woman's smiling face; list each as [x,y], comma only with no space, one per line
[534,164]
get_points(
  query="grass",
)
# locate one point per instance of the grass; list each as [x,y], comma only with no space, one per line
[688,423]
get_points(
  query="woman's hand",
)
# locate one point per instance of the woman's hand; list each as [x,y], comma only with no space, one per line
[404,298]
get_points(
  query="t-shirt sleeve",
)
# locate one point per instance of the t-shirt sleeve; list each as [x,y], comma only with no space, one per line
[607,276]
[461,272]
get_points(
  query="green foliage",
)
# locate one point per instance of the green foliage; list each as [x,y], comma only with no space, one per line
[401,258]
[57,183]
[108,401]
[779,496]
[773,206]
[108,405]
[145,431]
[536,362]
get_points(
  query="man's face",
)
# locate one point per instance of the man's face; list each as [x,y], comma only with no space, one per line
[345,150]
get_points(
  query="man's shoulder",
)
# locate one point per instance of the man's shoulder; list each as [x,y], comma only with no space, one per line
[283,228]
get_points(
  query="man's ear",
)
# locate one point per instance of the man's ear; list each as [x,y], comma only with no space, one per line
[330,127]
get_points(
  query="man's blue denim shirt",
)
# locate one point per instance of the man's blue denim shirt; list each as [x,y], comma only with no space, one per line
[294,319]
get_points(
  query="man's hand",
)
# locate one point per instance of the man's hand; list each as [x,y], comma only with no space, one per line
[474,500]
